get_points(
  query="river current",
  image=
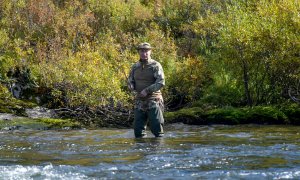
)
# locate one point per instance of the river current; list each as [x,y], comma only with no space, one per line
[186,152]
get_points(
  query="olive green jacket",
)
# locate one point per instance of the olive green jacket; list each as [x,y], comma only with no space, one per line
[148,76]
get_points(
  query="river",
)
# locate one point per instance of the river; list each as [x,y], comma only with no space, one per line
[186,152]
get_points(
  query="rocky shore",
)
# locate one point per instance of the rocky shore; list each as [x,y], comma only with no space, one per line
[37,118]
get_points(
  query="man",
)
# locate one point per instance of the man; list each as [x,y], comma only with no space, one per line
[146,78]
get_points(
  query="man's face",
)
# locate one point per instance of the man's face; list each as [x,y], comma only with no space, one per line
[145,54]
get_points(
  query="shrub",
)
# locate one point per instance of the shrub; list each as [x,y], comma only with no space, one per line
[226,116]
[266,115]
[292,111]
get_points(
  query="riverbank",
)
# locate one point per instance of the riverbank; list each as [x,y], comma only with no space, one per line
[25,123]
[276,114]
[16,114]
[36,118]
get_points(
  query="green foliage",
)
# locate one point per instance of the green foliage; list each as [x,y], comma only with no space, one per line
[224,95]
[59,123]
[120,16]
[255,37]
[192,23]
[5,97]
[223,53]
[266,114]
[224,91]
[85,79]
[9,104]
[230,115]
[189,78]
[22,123]
[184,115]
[226,116]
[3,39]
[38,124]
[292,111]
[185,112]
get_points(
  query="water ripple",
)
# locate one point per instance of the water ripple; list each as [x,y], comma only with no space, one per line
[186,152]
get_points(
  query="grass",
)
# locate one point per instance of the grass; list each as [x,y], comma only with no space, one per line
[38,124]
[282,114]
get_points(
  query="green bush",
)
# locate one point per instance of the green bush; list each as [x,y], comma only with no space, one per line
[266,115]
[186,115]
[85,79]
[222,96]
[292,111]
[188,80]
[233,116]
[221,53]
[226,116]
[59,123]
[9,104]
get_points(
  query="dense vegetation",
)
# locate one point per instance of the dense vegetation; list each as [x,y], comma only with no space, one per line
[283,114]
[218,53]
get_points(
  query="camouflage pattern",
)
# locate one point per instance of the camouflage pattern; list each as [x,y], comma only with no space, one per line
[149,104]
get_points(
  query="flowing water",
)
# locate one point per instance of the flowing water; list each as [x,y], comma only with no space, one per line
[186,152]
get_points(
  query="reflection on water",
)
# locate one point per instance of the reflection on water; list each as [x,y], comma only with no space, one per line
[194,152]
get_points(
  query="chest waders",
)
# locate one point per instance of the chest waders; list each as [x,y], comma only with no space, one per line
[149,108]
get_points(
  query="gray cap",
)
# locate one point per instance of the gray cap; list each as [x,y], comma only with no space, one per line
[144,45]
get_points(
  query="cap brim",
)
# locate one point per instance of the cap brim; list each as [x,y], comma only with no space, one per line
[143,48]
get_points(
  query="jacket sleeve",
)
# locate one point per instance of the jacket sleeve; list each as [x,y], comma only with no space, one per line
[160,79]
[131,81]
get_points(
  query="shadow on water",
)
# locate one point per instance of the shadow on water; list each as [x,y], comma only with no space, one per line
[209,152]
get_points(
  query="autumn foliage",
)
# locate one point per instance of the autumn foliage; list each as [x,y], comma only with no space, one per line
[226,53]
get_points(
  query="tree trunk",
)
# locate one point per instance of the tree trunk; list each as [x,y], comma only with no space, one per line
[246,83]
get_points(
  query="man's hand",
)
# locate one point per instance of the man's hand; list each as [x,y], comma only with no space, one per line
[144,93]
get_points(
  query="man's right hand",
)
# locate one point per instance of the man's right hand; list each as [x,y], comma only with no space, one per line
[143,93]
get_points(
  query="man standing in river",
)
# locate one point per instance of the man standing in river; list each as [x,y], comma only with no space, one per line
[146,78]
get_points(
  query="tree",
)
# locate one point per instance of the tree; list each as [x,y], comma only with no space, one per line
[255,38]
